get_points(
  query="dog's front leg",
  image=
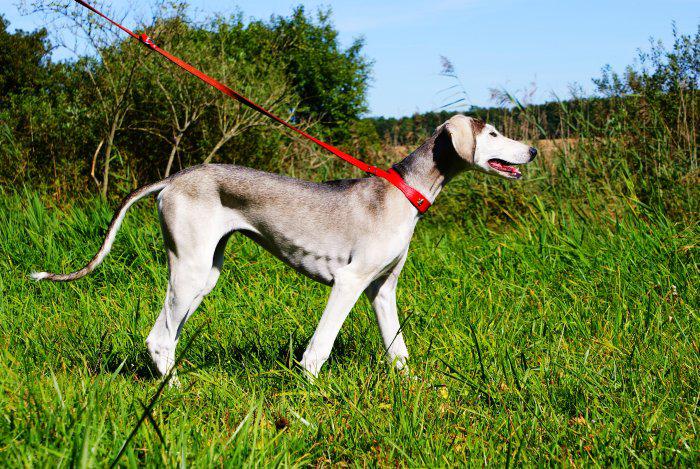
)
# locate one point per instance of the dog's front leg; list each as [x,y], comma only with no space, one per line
[382,295]
[347,287]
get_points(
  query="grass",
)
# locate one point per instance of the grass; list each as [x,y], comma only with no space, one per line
[568,335]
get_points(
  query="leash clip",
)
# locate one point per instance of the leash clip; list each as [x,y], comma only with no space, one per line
[147,41]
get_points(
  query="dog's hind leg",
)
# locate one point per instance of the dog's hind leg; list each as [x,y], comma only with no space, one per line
[193,274]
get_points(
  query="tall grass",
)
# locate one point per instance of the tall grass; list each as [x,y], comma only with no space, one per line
[561,331]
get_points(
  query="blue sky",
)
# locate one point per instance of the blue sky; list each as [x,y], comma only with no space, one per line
[493,44]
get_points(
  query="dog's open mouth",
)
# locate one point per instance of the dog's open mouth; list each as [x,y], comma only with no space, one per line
[505,168]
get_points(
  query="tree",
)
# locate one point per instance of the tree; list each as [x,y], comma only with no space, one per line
[184,99]
[23,58]
[111,71]
[38,114]
[331,82]
[223,54]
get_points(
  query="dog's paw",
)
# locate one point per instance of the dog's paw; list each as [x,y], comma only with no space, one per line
[309,376]
[412,378]
[174,382]
[406,375]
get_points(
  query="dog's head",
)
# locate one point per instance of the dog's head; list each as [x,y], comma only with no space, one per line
[482,147]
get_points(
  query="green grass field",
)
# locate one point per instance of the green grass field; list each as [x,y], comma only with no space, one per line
[568,335]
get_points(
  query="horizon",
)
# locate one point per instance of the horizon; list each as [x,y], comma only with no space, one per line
[406,47]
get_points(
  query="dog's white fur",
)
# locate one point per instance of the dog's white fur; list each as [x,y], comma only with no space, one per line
[353,235]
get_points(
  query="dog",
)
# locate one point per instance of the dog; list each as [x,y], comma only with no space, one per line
[351,234]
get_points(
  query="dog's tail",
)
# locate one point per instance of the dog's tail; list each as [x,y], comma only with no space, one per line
[109,238]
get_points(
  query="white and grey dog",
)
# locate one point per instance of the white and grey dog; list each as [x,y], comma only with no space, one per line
[352,235]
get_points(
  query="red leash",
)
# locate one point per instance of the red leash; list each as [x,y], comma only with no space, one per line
[416,198]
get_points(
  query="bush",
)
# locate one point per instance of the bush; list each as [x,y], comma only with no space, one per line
[119,117]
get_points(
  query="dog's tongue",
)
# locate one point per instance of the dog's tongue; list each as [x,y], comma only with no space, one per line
[501,166]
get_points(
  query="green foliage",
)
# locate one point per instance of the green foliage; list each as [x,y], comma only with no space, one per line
[189,120]
[330,81]
[22,60]
[135,118]
[658,73]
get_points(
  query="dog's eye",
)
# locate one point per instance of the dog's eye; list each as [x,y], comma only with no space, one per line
[493,134]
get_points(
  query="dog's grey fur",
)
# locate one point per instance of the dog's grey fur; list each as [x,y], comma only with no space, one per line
[351,234]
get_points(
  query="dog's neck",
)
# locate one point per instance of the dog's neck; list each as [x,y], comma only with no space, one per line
[431,166]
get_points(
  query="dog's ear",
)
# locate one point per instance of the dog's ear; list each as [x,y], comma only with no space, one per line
[462,131]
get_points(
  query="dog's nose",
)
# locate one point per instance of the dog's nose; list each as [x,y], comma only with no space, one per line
[533,153]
